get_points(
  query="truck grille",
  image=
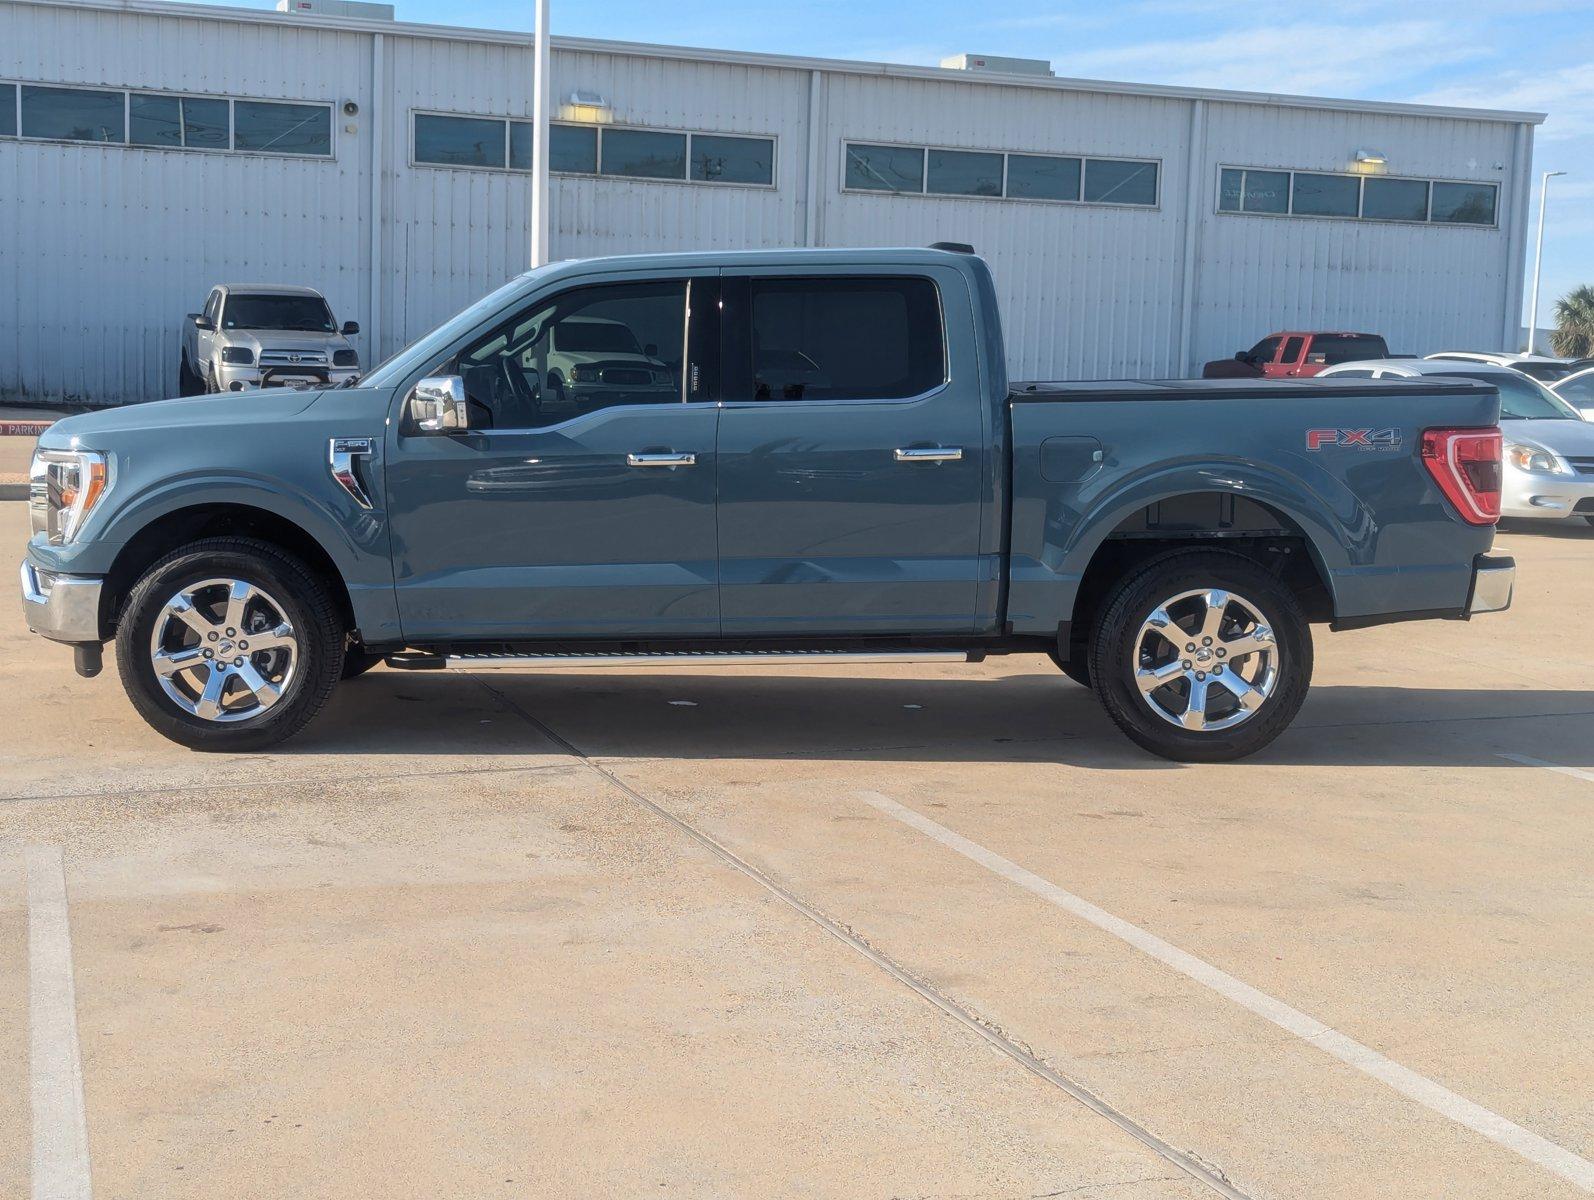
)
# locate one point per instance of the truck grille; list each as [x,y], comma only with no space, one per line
[293,358]
[627,376]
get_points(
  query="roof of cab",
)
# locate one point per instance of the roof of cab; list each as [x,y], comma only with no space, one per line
[270,289]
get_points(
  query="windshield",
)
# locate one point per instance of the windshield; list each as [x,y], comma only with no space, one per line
[306,314]
[1578,389]
[604,336]
[1354,348]
[1524,399]
[1548,372]
[429,347]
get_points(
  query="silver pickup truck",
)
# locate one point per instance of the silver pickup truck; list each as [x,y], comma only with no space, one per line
[260,335]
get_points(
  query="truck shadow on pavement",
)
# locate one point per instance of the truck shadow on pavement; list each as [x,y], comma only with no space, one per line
[1037,717]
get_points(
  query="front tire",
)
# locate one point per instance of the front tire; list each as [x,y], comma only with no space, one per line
[188,383]
[1201,656]
[229,644]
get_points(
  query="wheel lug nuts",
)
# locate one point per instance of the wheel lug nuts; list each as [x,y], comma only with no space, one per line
[1200,675]
[237,662]
[230,632]
[1222,653]
[212,635]
[1217,670]
[1204,641]
[1191,646]
[1185,664]
[208,654]
[245,646]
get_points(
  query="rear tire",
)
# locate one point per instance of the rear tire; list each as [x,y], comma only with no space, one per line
[1250,692]
[183,645]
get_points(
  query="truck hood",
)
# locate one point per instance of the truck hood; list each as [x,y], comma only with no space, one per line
[285,339]
[1564,437]
[253,407]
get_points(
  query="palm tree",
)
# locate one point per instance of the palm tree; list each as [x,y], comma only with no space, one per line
[1574,324]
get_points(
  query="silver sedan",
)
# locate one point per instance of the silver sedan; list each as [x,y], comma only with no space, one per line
[1549,447]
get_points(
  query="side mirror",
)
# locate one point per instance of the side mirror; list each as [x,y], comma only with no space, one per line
[437,405]
[350,328]
[201,321]
[1242,356]
[651,350]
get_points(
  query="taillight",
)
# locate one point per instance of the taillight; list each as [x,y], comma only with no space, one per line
[1465,463]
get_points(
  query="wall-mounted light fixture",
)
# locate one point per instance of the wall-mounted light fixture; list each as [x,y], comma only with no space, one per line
[587,107]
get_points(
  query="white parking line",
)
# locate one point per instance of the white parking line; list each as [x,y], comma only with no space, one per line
[60,1126]
[1523,759]
[1436,1097]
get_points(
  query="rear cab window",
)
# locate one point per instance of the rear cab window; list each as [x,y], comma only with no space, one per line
[841,338]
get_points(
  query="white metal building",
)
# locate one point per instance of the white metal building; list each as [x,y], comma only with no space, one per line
[149,150]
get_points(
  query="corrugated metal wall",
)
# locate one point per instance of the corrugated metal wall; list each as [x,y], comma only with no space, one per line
[104,248]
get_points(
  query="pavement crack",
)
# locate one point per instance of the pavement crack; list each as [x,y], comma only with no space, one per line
[1185,1161]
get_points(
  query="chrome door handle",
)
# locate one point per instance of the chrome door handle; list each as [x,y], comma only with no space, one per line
[920,454]
[661,460]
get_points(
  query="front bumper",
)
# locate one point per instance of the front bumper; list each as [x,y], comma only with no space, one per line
[239,379]
[1493,580]
[1527,497]
[63,608]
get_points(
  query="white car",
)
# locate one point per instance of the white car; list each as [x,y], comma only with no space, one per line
[589,362]
[1549,447]
[1577,389]
[1536,366]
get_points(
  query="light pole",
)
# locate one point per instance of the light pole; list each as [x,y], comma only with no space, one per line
[539,139]
[1538,256]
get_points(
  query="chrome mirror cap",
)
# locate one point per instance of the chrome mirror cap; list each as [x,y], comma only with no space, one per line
[437,405]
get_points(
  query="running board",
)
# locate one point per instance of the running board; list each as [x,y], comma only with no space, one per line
[668,658]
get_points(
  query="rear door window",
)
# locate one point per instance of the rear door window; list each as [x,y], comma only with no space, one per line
[1292,350]
[860,338]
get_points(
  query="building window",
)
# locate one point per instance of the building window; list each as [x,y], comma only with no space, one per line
[885,168]
[929,171]
[1255,191]
[962,173]
[1395,199]
[1116,181]
[458,141]
[443,140]
[1042,177]
[162,121]
[1368,197]
[572,149]
[643,154]
[846,339]
[178,122]
[1464,203]
[74,114]
[1325,195]
[206,124]
[267,127]
[717,158]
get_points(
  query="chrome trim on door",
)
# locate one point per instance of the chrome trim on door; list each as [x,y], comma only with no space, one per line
[661,460]
[918,454]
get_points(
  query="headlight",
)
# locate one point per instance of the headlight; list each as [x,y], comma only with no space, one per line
[345,358]
[584,374]
[1535,460]
[238,356]
[63,488]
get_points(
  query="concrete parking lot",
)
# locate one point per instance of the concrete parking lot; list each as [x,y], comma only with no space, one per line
[867,932]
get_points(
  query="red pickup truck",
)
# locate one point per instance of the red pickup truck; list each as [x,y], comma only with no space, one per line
[1297,354]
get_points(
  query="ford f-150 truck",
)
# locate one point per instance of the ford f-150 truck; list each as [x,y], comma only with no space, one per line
[839,470]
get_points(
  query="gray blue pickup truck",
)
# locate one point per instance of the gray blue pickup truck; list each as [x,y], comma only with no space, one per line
[783,457]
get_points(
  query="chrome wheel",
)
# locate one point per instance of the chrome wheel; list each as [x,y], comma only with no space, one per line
[1206,660]
[223,650]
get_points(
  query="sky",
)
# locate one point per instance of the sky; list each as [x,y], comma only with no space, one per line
[1534,55]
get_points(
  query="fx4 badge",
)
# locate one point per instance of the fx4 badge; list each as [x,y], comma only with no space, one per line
[1353,439]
